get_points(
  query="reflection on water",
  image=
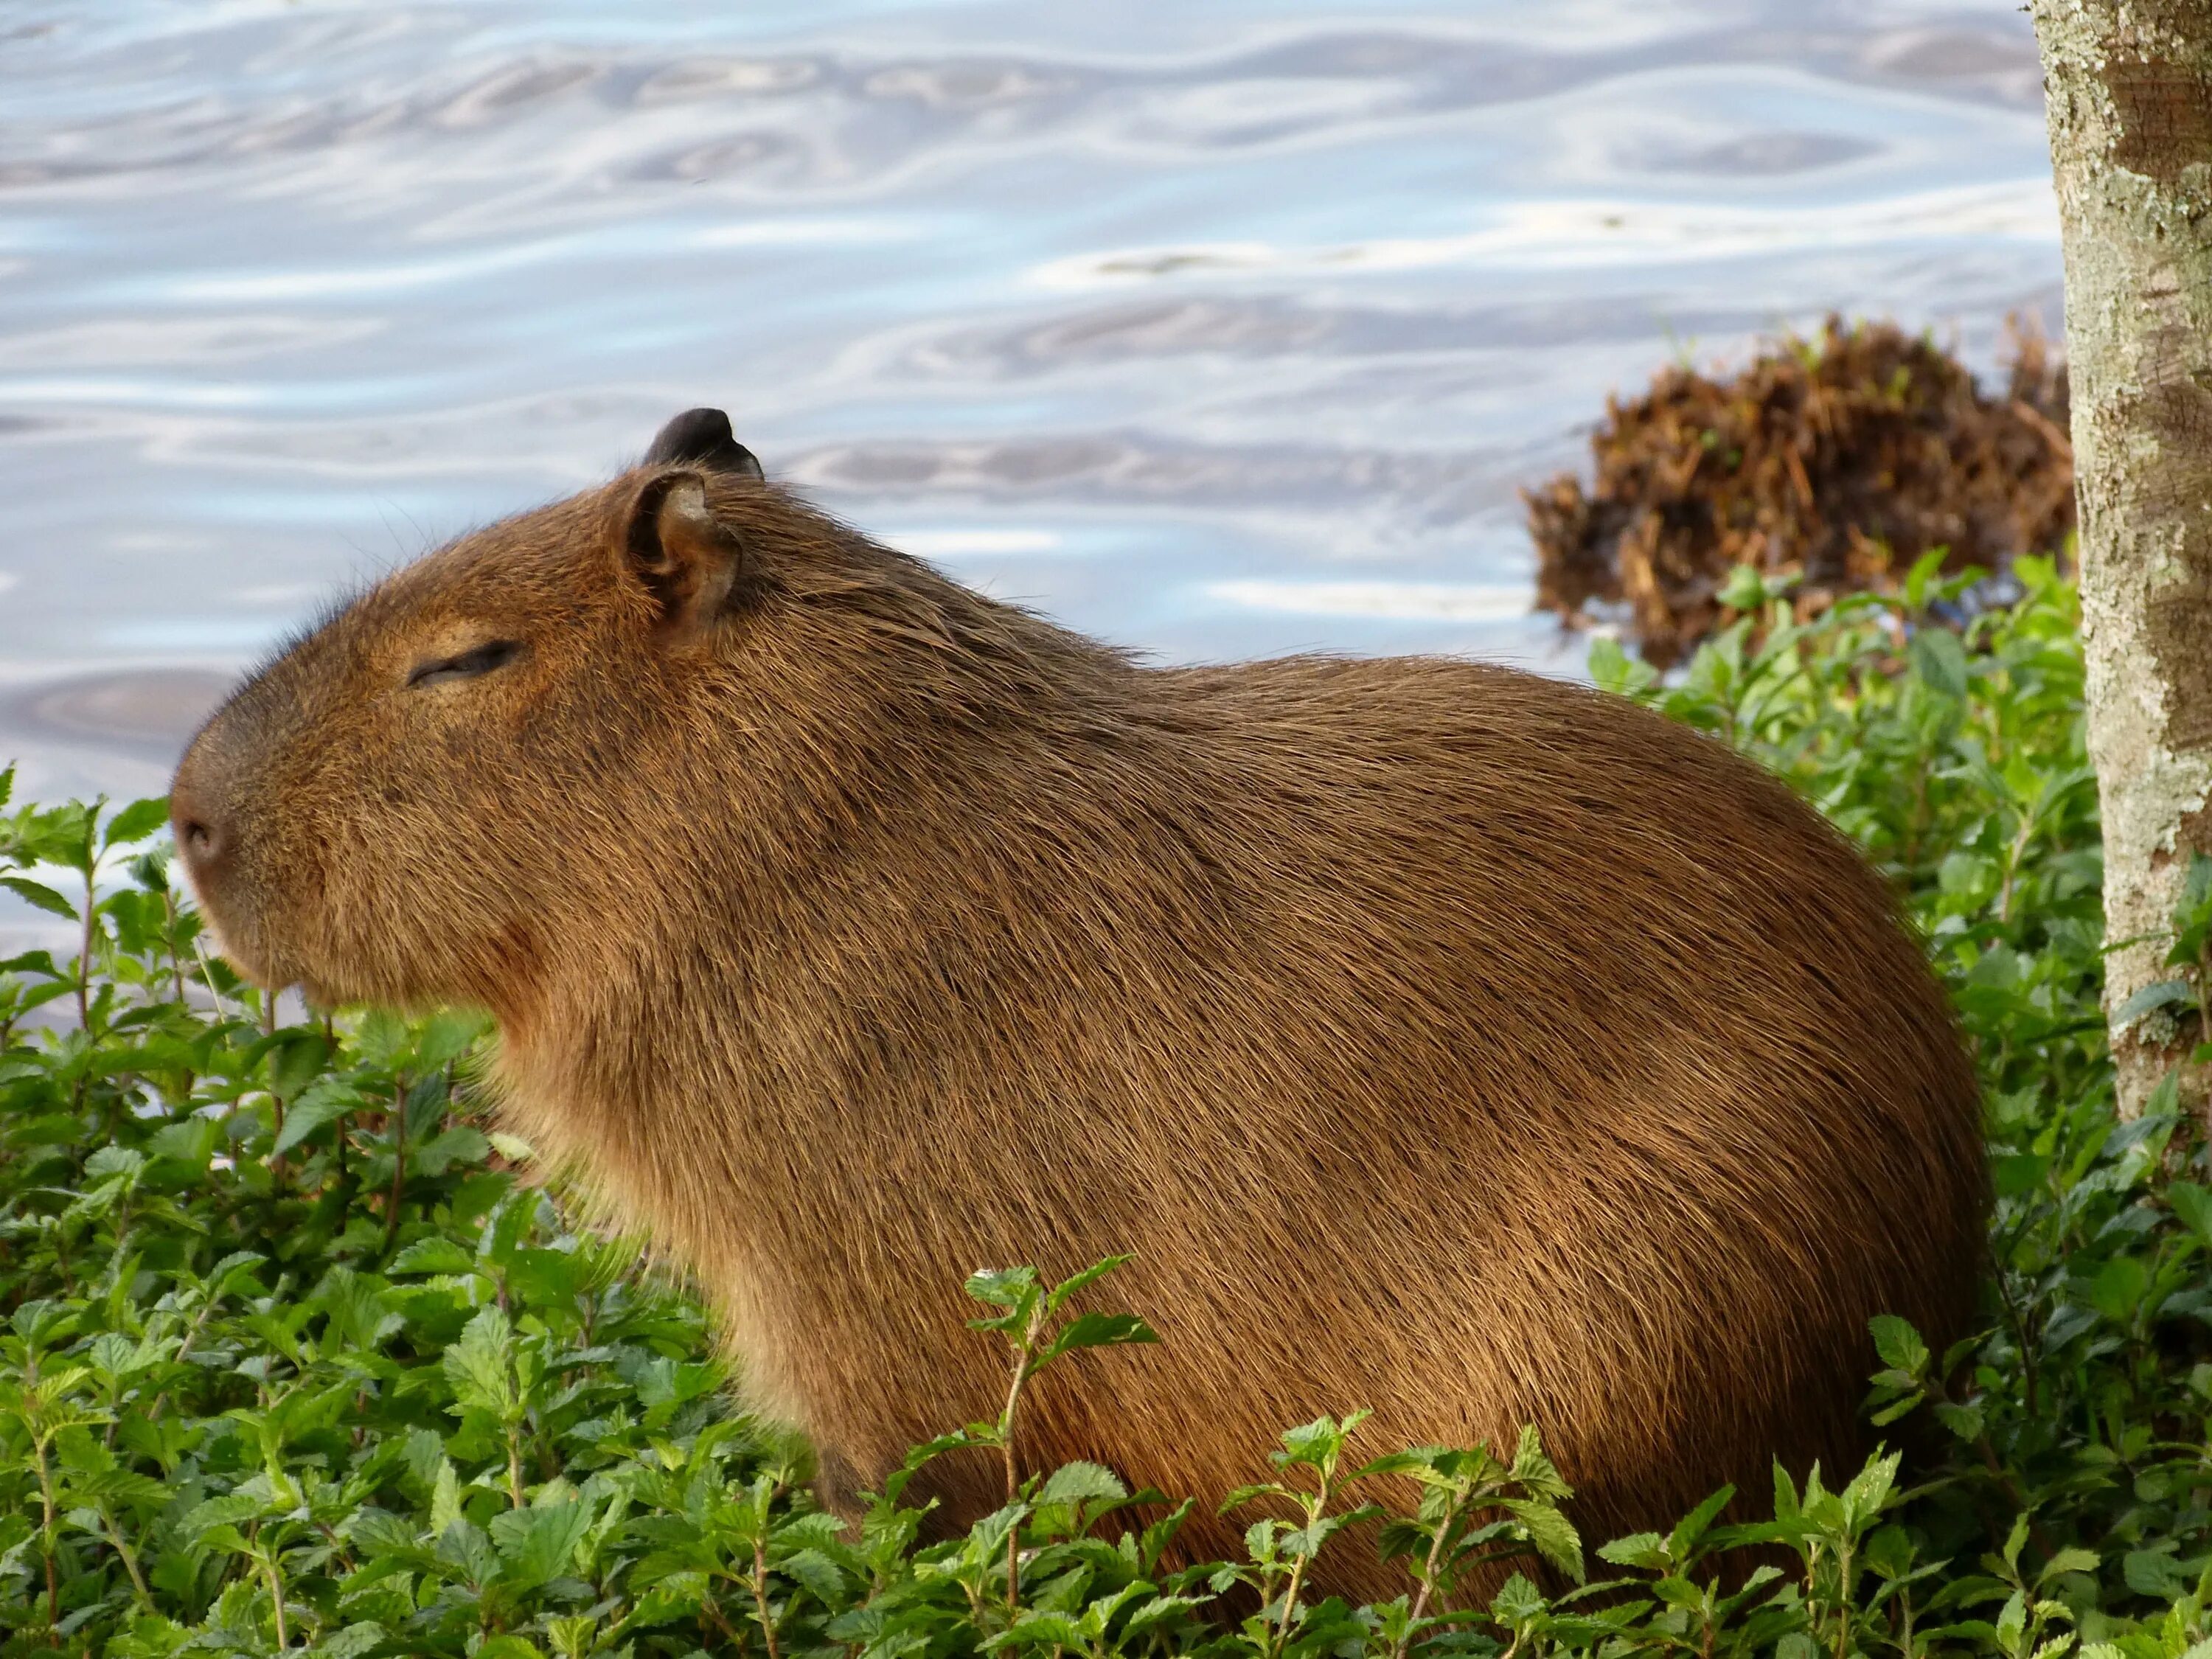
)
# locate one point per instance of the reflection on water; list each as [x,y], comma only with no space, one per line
[1217,329]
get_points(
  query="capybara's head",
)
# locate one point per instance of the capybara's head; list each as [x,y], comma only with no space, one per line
[404,804]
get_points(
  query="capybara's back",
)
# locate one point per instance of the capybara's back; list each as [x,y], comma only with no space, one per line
[1441,1039]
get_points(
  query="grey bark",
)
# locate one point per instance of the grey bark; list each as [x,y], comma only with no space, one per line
[2128,86]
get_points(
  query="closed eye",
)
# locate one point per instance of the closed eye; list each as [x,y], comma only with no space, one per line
[467,666]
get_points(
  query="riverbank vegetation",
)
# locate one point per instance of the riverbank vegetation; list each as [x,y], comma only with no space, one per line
[294,1358]
[1843,457]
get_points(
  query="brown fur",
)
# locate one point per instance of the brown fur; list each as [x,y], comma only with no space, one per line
[1443,1039]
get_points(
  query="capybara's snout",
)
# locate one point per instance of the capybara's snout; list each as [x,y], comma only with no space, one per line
[212,814]
[201,818]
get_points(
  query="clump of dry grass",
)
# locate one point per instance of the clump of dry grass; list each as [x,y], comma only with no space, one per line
[1839,460]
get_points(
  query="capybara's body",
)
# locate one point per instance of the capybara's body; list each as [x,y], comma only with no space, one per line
[1441,1039]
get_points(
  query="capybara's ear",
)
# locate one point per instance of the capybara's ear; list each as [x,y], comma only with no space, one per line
[702,437]
[675,548]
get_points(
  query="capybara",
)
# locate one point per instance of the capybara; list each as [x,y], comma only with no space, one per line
[1441,1038]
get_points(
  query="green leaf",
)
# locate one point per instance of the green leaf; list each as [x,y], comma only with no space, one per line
[1684,1539]
[1868,1493]
[1939,659]
[1898,1344]
[2019,1173]
[357,1641]
[822,1577]
[2192,1207]
[1638,1549]
[1535,1470]
[1517,1601]
[114,1160]
[445,1499]
[1785,1494]
[1966,1422]
[1925,570]
[2070,1560]
[1612,669]
[39,896]
[1097,1330]
[426,1100]
[2148,1572]
[1080,1483]
[2192,916]
[321,1105]
[545,1278]
[1159,1611]
[2164,993]
[1040,1629]
[1313,1443]
[480,1365]
[1075,1283]
[135,822]
[1743,589]
[2118,1289]
[296,1059]
[434,1254]
[1678,1592]
[447,1035]
[1898,1408]
[675,1596]
[1551,1532]
[1889,1552]
[460,1144]
[204,1519]
[536,1544]
[1003,1287]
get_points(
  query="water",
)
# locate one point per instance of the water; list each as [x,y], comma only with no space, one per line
[1216,330]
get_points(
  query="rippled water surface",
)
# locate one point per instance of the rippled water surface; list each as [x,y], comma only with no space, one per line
[1217,329]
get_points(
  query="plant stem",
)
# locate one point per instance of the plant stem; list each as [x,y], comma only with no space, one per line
[46,1532]
[399,1168]
[84,951]
[129,1558]
[1428,1579]
[1314,1510]
[2013,856]
[277,1598]
[760,1593]
[207,978]
[185,1348]
[1021,1353]
[169,938]
[714,1612]
[1007,1416]
[1843,1604]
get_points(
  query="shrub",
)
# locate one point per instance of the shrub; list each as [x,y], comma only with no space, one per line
[295,1362]
[1843,457]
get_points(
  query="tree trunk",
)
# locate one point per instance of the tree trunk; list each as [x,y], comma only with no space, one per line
[2128,91]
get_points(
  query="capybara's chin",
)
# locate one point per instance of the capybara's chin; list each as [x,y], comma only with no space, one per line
[1444,1040]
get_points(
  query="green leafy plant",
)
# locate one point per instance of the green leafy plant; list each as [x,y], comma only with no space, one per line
[294,1361]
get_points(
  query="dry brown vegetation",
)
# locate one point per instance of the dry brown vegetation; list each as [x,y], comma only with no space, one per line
[1839,460]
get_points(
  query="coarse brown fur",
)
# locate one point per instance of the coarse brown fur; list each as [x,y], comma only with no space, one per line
[1443,1039]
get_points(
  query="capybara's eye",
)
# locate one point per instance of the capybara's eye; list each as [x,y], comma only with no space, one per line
[467,666]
